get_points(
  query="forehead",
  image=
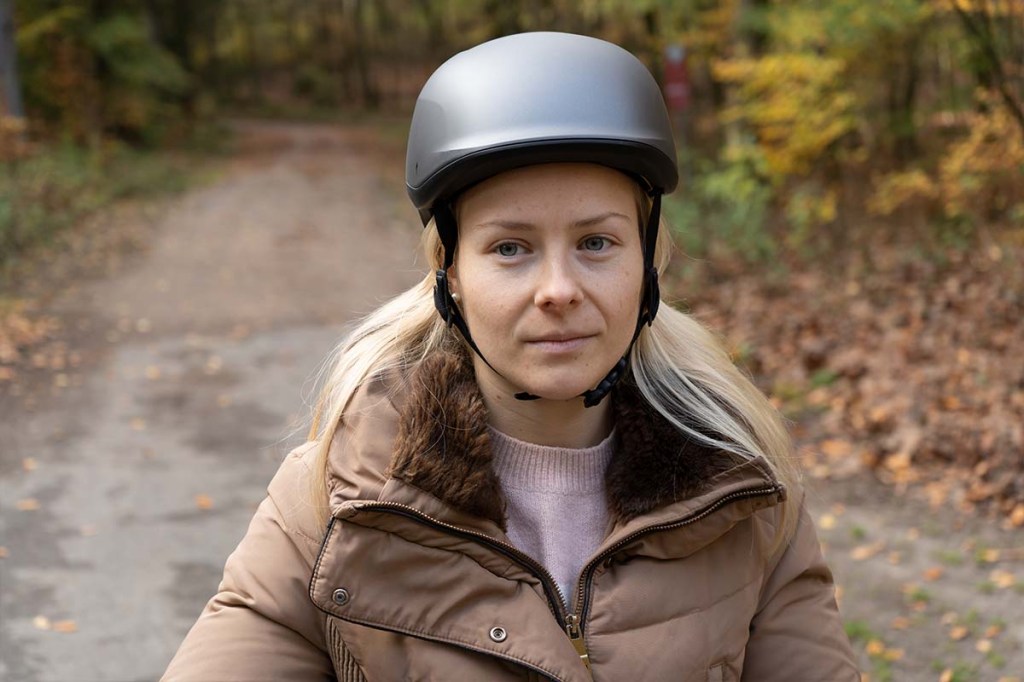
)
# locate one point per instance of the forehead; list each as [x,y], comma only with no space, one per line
[555,189]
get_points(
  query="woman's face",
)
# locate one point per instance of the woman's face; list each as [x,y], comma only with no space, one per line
[549,269]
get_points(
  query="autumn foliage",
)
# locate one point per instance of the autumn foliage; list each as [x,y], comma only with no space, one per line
[852,188]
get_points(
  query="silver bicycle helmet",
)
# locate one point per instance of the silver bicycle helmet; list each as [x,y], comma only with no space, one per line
[536,98]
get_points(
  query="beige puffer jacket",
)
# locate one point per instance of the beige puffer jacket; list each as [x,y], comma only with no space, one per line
[415,579]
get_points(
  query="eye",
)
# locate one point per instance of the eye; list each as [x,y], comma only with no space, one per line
[595,243]
[507,249]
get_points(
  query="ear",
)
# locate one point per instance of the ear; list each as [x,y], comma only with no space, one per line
[453,281]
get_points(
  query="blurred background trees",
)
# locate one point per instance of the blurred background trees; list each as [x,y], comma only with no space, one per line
[808,124]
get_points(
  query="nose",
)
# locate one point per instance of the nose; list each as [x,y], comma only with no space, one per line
[558,285]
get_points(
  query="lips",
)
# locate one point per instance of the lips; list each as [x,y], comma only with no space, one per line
[560,337]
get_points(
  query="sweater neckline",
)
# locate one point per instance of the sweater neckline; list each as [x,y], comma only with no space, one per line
[528,466]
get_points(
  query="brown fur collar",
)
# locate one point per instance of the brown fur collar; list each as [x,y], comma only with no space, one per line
[443,447]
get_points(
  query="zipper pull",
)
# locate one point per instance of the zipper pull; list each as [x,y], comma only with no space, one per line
[572,628]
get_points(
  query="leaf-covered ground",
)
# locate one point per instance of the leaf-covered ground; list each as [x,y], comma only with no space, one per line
[910,370]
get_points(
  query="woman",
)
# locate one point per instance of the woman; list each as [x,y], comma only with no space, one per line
[523,467]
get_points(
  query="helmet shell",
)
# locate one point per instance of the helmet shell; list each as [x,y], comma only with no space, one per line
[534,98]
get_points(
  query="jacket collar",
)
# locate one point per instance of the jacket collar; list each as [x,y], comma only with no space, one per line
[428,429]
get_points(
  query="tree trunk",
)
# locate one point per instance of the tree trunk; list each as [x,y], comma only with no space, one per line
[371,97]
[12,105]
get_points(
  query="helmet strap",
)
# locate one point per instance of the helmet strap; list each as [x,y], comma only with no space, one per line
[448,231]
[649,302]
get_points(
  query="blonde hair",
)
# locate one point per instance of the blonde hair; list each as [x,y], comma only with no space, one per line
[679,366]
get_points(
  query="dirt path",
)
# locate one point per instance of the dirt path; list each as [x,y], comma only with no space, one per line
[127,479]
[146,461]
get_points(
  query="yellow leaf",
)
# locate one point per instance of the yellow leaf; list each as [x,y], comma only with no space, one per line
[3,552]
[827,522]
[153,372]
[875,647]
[990,556]
[933,573]
[29,464]
[204,501]
[138,424]
[1002,578]
[41,622]
[28,504]
[893,654]
[958,632]
[983,645]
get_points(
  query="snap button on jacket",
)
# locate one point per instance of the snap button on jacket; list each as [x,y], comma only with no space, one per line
[415,579]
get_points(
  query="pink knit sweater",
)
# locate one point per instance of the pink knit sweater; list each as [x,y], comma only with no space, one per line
[557,508]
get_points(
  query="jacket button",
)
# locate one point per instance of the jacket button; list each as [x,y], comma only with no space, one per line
[498,634]
[340,596]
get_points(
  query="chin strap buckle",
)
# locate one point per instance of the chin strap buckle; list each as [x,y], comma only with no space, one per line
[443,298]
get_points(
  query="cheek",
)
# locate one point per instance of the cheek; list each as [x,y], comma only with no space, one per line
[488,300]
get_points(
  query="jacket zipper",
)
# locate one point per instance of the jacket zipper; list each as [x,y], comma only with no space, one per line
[581,600]
[554,593]
[571,621]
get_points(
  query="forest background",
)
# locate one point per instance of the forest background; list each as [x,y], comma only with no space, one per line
[851,211]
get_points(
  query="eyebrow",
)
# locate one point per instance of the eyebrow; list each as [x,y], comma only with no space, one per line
[582,222]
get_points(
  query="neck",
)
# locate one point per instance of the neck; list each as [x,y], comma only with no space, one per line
[555,423]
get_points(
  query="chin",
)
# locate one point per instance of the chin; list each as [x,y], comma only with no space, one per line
[559,390]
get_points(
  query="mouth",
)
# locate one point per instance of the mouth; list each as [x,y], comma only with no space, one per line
[560,343]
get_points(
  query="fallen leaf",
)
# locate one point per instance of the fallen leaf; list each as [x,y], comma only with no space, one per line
[958,632]
[867,551]
[28,504]
[138,424]
[875,647]
[88,530]
[895,558]
[983,645]
[893,654]
[946,676]
[827,522]
[900,623]
[152,372]
[913,534]
[41,622]
[993,631]
[213,364]
[1002,578]
[3,552]
[836,449]
[1017,516]
[65,626]
[934,573]
[28,464]
[204,501]
[949,617]
[223,400]
[990,556]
